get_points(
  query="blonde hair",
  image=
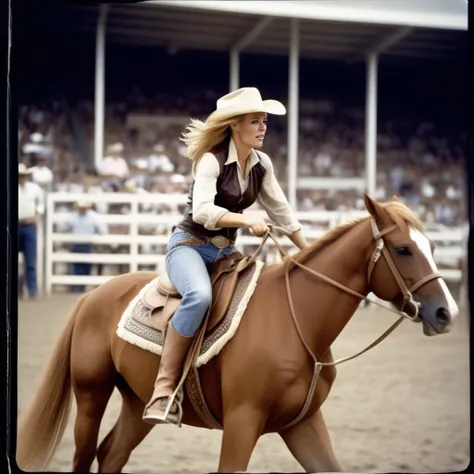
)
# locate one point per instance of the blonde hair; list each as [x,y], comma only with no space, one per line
[203,137]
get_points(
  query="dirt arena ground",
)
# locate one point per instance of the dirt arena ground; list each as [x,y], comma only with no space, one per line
[402,407]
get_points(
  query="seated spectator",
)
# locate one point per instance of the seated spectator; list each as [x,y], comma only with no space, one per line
[159,161]
[113,167]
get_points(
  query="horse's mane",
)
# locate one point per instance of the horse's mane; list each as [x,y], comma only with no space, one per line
[401,215]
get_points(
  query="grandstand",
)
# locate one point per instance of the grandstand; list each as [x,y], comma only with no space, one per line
[167,61]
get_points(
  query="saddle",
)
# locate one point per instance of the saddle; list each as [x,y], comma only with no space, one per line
[162,299]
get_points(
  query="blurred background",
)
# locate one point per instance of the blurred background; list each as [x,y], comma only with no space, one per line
[146,68]
[376,93]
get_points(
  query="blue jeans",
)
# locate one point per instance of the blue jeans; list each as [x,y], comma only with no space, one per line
[188,269]
[81,268]
[27,246]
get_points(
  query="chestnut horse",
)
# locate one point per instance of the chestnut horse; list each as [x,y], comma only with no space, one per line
[259,382]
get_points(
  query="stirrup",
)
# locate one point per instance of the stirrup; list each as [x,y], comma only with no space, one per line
[176,399]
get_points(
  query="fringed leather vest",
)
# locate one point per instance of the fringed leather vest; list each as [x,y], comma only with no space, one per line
[228,196]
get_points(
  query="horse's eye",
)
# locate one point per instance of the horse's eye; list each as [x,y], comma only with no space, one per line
[403,250]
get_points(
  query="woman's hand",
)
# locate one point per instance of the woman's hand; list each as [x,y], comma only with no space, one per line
[258,227]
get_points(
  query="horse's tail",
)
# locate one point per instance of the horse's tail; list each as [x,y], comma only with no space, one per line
[42,425]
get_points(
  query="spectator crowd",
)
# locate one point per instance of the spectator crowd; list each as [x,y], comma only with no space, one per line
[423,163]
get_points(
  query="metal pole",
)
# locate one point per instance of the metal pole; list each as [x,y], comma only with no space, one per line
[99,86]
[293,114]
[234,69]
[371,125]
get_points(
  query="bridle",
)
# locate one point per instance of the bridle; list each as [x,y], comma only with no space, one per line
[407,293]
[380,249]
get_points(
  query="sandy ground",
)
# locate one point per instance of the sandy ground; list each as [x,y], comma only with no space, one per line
[402,407]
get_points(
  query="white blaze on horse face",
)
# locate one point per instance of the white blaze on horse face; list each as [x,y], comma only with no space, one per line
[423,244]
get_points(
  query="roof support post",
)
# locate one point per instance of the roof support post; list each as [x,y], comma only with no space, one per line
[391,39]
[382,45]
[234,69]
[293,113]
[261,24]
[99,99]
[371,125]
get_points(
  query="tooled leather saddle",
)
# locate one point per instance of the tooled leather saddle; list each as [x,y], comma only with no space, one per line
[162,299]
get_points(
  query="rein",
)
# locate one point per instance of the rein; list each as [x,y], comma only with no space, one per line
[380,249]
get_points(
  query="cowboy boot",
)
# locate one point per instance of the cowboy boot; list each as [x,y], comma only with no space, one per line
[175,349]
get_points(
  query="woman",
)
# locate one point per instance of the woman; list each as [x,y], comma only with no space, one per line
[229,176]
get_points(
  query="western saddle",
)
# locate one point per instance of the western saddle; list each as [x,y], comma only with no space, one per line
[163,299]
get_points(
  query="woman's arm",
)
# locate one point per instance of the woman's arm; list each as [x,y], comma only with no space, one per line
[205,212]
[274,201]
[299,240]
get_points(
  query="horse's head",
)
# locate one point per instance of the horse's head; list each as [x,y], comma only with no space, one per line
[405,273]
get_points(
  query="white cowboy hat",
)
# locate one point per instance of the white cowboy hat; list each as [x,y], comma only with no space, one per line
[245,101]
[159,148]
[36,137]
[130,185]
[23,170]
[84,203]
[115,148]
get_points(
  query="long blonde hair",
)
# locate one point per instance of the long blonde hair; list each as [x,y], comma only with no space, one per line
[203,137]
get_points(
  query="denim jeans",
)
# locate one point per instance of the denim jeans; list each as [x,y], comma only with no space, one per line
[188,268]
[81,268]
[27,246]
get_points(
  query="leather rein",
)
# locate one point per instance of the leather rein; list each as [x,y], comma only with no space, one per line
[380,249]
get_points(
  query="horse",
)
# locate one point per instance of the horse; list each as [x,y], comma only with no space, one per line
[261,379]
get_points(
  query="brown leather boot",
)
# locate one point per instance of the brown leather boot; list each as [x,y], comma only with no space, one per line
[169,373]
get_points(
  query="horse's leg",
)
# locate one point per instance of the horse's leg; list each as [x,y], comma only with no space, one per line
[125,436]
[310,444]
[242,429]
[91,404]
[93,378]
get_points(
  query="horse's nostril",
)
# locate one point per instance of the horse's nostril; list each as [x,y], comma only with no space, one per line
[443,315]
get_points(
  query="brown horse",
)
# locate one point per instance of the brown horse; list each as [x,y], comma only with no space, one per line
[260,380]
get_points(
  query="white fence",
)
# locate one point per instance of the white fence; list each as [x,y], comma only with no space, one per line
[135,257]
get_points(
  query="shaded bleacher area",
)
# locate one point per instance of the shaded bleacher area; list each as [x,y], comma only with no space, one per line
[422,162]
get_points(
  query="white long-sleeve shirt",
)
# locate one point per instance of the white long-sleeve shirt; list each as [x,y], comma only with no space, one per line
[114,166]
[271,196]
[89,223]
[42,175]
[30,201]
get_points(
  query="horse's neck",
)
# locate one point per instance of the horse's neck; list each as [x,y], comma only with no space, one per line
[322,309]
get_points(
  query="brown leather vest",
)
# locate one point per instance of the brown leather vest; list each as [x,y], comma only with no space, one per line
[228,196]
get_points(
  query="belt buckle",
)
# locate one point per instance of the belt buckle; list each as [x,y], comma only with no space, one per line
[220,241]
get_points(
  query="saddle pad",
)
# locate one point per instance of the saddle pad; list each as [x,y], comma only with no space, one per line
[150,339]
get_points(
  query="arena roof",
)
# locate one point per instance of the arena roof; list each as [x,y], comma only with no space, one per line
[446,14]
[434,29]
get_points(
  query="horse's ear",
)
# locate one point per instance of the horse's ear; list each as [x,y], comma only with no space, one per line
[395,198]
[377,211]
[370,205]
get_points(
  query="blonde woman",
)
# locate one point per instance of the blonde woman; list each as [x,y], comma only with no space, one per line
[229,176]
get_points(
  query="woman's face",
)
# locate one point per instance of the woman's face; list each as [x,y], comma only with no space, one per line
[250,131]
